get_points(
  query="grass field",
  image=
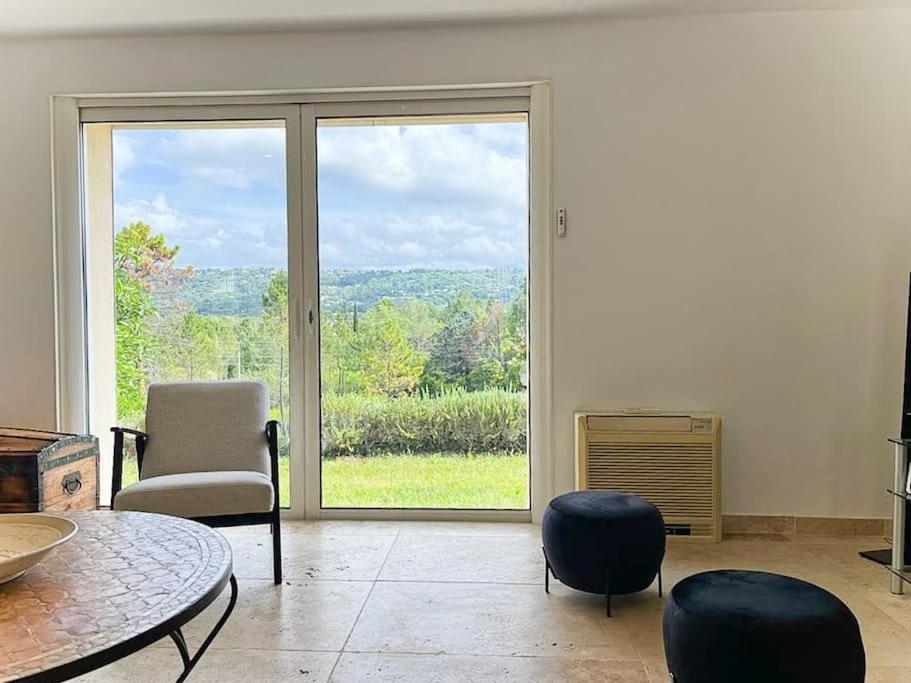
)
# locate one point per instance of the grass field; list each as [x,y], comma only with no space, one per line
[437,480]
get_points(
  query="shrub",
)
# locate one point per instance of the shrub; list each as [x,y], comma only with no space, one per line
[461,421]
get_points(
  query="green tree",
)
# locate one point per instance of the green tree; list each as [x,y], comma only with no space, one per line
[389,363]
[274,340]
[253,359]
[488,370]
[339,349]
[421,321]
[517,317]
[455,348]
[515,347]
[142,262]
[275,298]
[193,346]
[132,308]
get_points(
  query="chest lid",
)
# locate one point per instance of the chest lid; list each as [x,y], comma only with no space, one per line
[51,449]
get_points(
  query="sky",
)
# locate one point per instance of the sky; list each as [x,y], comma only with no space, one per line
[390,196]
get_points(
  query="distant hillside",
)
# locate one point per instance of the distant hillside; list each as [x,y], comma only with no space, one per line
[238,291]
[339,288]
[220,291]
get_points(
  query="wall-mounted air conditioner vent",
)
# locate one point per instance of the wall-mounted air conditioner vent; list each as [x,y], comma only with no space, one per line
[671,459]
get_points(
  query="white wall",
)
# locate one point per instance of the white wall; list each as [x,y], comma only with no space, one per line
[739,194]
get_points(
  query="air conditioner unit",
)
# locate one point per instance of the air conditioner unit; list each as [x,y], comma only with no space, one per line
[670,459]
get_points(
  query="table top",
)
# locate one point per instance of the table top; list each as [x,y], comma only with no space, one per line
[124,581]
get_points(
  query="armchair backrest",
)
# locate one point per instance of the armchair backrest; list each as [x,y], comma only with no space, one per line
[206,427]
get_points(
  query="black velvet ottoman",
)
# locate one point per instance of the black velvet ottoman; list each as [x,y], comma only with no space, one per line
[752,627]
[603,542]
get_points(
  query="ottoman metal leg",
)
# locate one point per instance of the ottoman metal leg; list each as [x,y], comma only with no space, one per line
[546,572]
[607,589]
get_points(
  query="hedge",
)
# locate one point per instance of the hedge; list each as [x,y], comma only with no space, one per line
[457,421]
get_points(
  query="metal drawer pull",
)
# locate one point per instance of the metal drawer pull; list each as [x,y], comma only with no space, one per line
[72,482]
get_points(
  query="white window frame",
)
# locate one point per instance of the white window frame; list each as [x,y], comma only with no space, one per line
[300,109]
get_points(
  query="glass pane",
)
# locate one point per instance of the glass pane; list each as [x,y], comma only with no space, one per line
[423,248]
[200,263]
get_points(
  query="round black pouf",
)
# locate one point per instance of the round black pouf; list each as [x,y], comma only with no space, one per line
[756,627]
[603,542]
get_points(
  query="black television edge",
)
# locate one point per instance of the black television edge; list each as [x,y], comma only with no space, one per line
[906,395]
[885,556]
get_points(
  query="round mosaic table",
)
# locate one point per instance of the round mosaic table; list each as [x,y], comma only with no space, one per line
[126,580]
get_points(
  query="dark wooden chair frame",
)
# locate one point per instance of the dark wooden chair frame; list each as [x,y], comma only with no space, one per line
[272,518]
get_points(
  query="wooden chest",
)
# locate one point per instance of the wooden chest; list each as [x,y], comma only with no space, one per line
[47,471]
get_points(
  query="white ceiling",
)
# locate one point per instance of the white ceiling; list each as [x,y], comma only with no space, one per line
[97,17]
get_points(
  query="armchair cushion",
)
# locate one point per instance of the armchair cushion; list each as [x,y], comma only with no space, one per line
[199,494]
[206,427]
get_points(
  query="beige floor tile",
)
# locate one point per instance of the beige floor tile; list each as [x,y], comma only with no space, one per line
[219,666]
[487,619]
[885,646]
[656,669]
[352,668]
[302,526]
[389,528]
[857,542]
[888,674]
[348,557]
[314,615]
[897,607]
[344,526]
[471,529]
[508,559]
[147,666]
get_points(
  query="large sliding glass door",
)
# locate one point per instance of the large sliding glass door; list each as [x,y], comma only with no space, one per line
[369,261]
[423,288]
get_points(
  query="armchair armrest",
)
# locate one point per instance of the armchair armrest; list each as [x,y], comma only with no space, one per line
[117,474]
[134,432]
[272,437]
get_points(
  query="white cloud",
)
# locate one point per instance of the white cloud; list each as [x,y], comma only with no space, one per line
[434,196]
[206,240]
[123,154]
[157,213]
[413,241]
[410,249]
[229,157]
[481,163]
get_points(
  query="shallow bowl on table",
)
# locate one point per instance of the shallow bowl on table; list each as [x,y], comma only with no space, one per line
[26,539]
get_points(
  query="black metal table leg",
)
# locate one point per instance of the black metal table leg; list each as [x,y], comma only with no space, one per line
[181,643]
[660,591]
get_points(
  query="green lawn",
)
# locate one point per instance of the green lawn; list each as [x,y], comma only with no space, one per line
[443,480]
[440,480]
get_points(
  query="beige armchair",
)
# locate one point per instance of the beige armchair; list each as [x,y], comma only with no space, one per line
[209,453]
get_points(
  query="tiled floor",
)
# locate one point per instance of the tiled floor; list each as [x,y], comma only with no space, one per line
[444,602]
